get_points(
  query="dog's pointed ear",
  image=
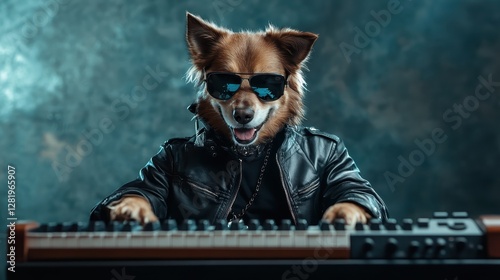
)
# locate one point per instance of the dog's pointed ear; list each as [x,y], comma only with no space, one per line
[295,46]
[201,37]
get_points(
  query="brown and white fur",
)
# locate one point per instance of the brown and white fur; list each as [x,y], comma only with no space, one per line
[281,51]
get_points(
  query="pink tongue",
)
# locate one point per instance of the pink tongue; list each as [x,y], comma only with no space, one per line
[244,134]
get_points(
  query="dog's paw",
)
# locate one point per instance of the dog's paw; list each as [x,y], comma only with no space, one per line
[350,212]
[132,208]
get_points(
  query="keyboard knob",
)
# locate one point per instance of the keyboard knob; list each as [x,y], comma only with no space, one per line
[413,248]
[339,224]
[440,243]
[460,244]
[428,243]
[391,246]
[368,245]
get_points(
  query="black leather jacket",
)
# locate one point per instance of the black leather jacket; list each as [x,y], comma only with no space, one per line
[194,178]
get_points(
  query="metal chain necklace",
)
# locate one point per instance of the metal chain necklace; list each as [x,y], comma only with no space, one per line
[236,217]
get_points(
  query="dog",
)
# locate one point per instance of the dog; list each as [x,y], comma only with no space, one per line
[251,86]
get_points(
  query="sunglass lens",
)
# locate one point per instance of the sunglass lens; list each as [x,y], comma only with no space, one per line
[268,87]
[223,86]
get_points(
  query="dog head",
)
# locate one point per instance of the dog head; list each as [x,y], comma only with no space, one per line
[245,118]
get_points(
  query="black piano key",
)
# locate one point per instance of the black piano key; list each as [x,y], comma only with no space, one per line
[285,225]
[324,225]
[96,226]
[41,228]
[220,224]
[203,225]
[253,224]
[236,225]
[152,226]
[54,227]
[169,224]
[188,225]
[339,224]
[114,226]
[302,224]
[70,227]
[130,226]
[269,224]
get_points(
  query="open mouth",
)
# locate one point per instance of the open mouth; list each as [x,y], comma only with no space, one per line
[246,135]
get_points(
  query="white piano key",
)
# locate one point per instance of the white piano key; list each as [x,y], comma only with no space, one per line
[231,239]
[178,239]
[150,239]
[219,238]
[137,239]
[258,238]
[39,240]
[244,239]
[191,239]
[285,239]
[205,239]
[109,240]
[271,239]
[164,239]
[300,238]
[122,239]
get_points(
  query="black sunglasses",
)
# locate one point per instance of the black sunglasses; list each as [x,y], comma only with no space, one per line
[224,85]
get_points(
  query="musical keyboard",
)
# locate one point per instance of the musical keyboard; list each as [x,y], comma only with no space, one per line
[441,242]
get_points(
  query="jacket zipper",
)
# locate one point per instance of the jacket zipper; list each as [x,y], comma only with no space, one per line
[204,190]
[237,190]
[286,191]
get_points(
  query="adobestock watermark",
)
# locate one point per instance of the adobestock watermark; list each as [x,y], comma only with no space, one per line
[121,108]
[121,275]
[454,116]
[222,7]
[309,265]
[363,37]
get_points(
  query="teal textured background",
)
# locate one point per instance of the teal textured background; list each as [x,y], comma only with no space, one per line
[77,121]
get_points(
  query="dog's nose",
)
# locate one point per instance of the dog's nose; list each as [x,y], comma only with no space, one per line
[243,115]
